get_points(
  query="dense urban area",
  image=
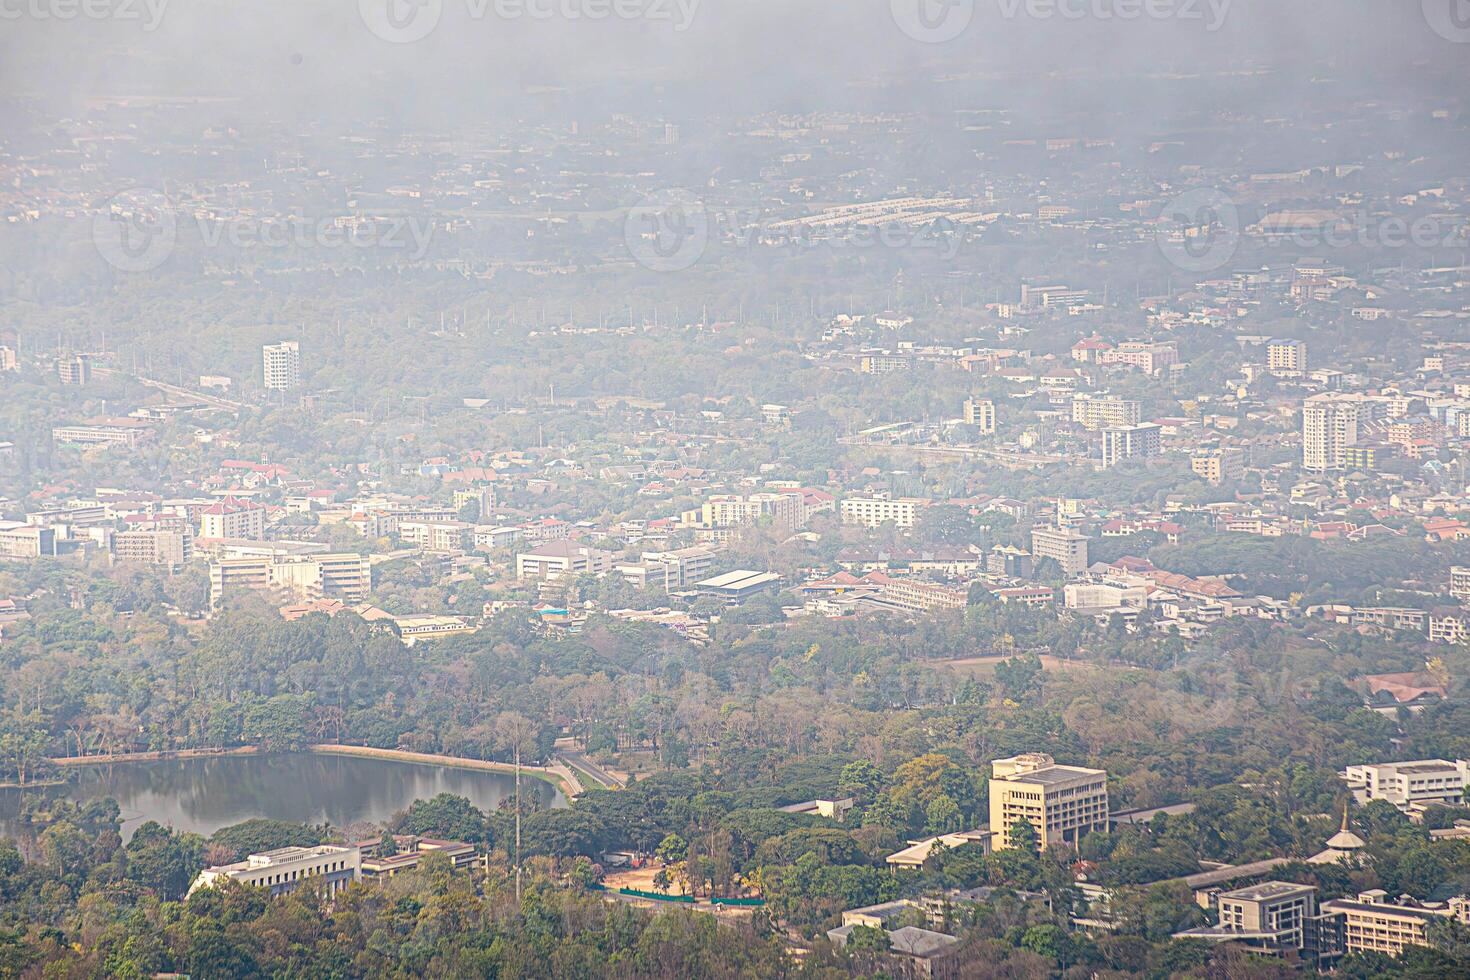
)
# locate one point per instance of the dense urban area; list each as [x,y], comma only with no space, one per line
[965,522]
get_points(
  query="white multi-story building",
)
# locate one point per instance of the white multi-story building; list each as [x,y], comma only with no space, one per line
[1131,442]
[233,518]
[1410,785]
[281,365]
[1065,545]
[284,869]
[344,576]
[1329,427]
[877,511]
[980,412]
[560,559]
[1092,412]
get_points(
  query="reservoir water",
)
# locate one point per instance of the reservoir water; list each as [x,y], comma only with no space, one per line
[202,795]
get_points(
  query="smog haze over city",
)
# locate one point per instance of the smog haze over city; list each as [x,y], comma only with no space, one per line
[735,488]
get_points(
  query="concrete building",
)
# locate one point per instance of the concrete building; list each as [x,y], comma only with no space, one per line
[284,869]
[19,540]
[307,577]
[1218,466]
[1286,358]
[785,511]
[75,369]
[128,433]
[562,559]
[980,412]
[231,518]
[877,511]
[409,851]
[1373,923]
[281,365]
[1065,545]
[439,537]
[173,547]
[1150,358]
[1329,427]
[1274,918]
[8,360]
[669,571]
[1131,442]
[1460,582]
[1062,803]
[1410,785]
[1095,412]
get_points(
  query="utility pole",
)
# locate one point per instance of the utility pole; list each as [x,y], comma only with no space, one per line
[518,823]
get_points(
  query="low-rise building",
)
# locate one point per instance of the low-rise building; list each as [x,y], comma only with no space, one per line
[285,869]
[877,511]
[562,559]
[1410,785]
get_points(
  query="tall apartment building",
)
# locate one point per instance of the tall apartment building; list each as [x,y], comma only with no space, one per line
[1218,465]
[346,576]
[231,518]
[1286,357]
[74,369]
[1131,442]
[980,412]
[1329,427]
[1065,545]
[1062,803]
[8,360]
[281,365]
[877,511]
[170,546]
[1410,785]
[1094,412]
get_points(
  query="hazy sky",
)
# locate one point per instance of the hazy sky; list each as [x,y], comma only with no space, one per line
[315,58]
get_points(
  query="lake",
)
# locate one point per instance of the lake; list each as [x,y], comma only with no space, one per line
[203,795]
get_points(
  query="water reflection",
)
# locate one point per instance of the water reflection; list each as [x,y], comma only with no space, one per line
[203,795]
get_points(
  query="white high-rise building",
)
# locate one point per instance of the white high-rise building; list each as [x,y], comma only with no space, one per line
[1329,427]
[282,365]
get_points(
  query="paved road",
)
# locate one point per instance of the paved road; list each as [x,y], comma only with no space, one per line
[582,764]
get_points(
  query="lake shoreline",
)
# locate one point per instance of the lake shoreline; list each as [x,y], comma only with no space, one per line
[558,776]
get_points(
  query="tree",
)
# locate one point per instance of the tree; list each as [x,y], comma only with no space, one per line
[672,849]
[1022,836]
[446,816]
